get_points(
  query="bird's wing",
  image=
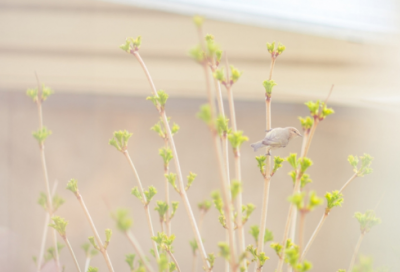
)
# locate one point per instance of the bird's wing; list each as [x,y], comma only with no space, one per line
[273,138]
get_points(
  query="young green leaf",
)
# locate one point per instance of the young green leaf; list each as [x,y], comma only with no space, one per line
[306,123]
[367,220]
[166,155]
[236,188]
[194,246]
[205,205]
[129,259]
[72,185]
[334,199]
[41,135]
[235,74]
[175,205]
[261,163]
[237,139]
[222,125]
[161,208]
[92,269]
[277,164]
[123,221]
[171,177]
[292,160]
[268,236]
[59,225]
[190,179]
[120,140]
[268,86]
[219,75]
[224,250]
[254,231]
[205,114]
[305,163]
[150,193]
[198,20]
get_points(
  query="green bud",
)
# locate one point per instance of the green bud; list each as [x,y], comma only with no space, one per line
[123,221]
[211,259]
[92,241]
[194,246]
[292,160]
[120,140]
[46,92]
[325,111]
[33,94]
[86,248]
[198,20]
[150,193]
[235,74]
[217,199]
[277,164]
[92,269]
[157,128]
[72,185]
[197,54]
[161,208]
[254,231]
[334,199]
[205,114]
[172,267]
[353,160]
[205,205]
[42,200]
[281,48]
[261,163]
[222,125]
[175,128]
[166,155]
[129,259]
[262,258]
[224,250]
[237,139]
[306,123]
[135,192]
[57,202]
[304,180]
[59,225]
[163,263]
[269,85]
[367,220]
[248,210]
[160,99]
[292,256]
[175,205]
[313,107]
[108,235]
[219,75]
[236,188]
[277,247]
[190,179]
[303,267]
[171,177]
[304,164]
[126,46]
[297,200]
[366,161]
[268,236]
[314,201]
[41,135]
[271,47]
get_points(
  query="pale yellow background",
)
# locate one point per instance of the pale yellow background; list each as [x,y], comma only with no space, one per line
[74,48]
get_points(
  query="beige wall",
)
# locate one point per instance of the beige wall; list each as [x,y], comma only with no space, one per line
[78,148]
[73,45]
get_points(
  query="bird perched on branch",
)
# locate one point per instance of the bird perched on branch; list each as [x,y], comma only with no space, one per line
[276,138]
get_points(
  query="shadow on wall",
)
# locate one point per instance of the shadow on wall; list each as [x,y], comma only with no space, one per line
[78,148]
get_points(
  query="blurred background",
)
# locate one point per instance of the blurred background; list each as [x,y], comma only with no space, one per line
[73,47]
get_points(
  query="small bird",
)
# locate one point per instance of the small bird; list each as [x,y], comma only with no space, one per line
[276,138]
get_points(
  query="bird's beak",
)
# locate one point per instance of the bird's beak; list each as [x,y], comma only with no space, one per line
[300,135]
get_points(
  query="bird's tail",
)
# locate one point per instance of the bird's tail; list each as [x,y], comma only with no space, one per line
[257,145]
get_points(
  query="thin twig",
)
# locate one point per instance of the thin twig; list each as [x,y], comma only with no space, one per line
[297,187]
[167,199]
[238,170]
[45,230]
[301,230]
[46,176]
[146,206]
[177,167]
[223,176]
[201,220]
[139,250]
[267,176]
[96,234]
[312,238]
[174,260]
[72,253]
[348,182]
[353,258]
[87,263]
